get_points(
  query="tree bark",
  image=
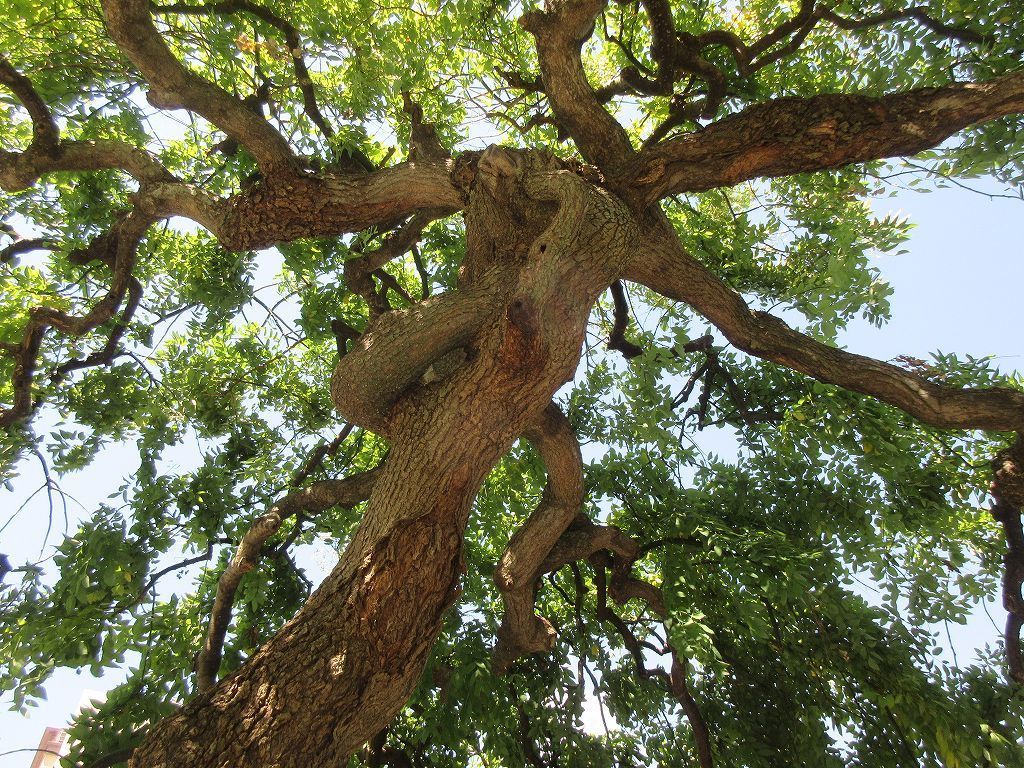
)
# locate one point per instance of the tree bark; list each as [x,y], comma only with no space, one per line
[345,665]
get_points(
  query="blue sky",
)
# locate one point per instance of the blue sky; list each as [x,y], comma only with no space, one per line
[957,290]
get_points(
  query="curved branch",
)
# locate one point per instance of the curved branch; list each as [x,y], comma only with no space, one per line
[918,13]
[118,249]
[401,348]
[292,40]
[160,194]
[667,268]
[173,86]
[317,497]
[395,245]
[521,565]
[560,32]
[47,153]
[798,135]
[24,245]
[45,133]
[617,340]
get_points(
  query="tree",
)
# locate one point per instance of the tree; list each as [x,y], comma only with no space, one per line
[712,159]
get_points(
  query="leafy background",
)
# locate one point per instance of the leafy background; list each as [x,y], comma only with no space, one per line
[837,540]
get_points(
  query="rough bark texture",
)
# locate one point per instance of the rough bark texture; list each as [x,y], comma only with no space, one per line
[453,381]
[351,657]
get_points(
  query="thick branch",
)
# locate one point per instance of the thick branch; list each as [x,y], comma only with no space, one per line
[173,86]
[292,40]
[798,135]
[1008,493]
[276,211]
[271,212]
[668,269]
[521,565]
[560,31]
[400,349]
[319,496]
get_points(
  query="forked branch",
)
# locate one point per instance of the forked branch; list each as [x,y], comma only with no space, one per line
[675,681]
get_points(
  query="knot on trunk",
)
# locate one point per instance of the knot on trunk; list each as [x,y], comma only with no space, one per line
[523,344]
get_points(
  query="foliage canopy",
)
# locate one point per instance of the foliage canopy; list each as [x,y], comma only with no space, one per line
[209,207]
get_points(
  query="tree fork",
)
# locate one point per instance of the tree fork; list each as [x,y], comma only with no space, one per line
[347,662]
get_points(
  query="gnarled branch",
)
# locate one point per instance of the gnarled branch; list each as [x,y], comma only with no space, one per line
[400,348]
[118,249]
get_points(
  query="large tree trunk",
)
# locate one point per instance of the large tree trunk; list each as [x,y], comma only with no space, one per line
[542,244]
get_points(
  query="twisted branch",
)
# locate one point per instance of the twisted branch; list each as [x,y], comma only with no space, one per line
[118,249]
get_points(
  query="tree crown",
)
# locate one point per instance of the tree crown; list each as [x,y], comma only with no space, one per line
[225,222]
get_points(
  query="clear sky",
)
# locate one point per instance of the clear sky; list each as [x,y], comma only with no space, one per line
[957,290]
